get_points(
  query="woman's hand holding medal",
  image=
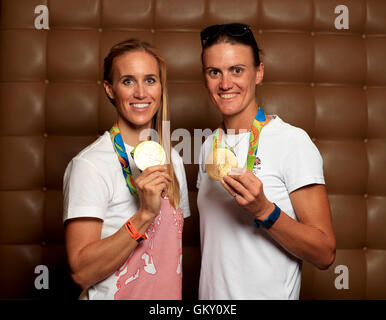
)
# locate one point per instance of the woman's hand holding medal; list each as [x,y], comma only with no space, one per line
[150,184]
[241,183]
[154,180]
[219,162]
[248,192]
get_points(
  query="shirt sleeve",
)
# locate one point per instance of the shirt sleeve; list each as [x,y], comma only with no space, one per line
[85,192]
[181,176]
[303,164]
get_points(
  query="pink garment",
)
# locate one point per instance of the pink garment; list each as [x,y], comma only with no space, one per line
[154,269]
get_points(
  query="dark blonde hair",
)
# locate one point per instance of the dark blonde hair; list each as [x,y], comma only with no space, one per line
[163,113]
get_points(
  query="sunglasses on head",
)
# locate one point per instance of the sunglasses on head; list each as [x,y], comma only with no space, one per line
[231,29]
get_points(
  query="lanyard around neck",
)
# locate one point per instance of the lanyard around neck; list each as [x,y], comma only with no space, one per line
[120,150]
[257,126]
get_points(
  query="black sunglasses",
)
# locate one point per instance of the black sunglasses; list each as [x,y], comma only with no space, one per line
[232,29]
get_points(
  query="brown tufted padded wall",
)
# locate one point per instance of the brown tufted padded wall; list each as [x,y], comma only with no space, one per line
[332,83]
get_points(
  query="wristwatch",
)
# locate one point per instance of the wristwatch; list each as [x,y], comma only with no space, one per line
[270,220]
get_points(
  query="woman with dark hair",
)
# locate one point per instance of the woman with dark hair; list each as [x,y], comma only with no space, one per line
[123,227]
[259,222]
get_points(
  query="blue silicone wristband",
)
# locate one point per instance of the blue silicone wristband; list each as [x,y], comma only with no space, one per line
[271,219]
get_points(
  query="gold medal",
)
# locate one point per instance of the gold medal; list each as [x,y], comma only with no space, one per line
[147,154]
[219,162]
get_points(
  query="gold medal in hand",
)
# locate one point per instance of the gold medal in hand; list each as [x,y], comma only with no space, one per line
[147,154]
[219,162]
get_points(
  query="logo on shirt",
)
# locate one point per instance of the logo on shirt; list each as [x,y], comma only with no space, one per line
[256,166]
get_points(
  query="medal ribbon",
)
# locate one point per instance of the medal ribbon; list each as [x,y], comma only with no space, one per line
[257,126]
[120,150]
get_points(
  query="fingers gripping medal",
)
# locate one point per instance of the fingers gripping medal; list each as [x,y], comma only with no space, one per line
[219,162]
[147,154]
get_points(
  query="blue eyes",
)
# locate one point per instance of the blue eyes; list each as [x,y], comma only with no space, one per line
[129,82]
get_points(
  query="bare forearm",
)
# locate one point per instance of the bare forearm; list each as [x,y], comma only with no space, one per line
[303,241]
[312,239]
[101,258]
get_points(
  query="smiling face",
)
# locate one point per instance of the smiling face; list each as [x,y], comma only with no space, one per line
[136,87]
[231,77]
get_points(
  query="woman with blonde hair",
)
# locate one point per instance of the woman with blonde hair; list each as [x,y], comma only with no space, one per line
[123,227]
